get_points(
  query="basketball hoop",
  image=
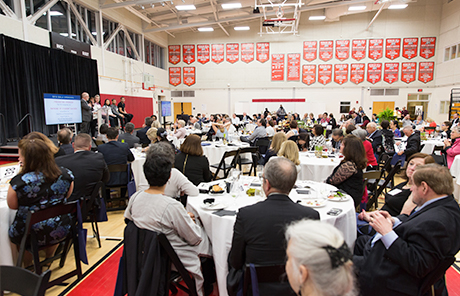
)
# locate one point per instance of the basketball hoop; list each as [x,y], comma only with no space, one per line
[148,83]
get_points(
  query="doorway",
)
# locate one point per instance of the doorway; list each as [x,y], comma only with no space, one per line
[417,104]
[378,107]
[185,108]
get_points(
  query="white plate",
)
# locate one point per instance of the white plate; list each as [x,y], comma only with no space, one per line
[343,198]
[314,203]
[214,206]
[220,193]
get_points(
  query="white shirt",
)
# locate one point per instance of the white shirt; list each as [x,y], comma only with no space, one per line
[270,131]
[236,120]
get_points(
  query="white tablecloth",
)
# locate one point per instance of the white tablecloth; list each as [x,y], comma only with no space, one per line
[430,144]
[316,169]
[455,171]
[220,229]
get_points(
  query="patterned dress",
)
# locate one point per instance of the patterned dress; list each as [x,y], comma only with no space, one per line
[34,193]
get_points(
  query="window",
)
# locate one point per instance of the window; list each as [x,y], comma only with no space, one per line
[154,54]
[452,52]
[444,107]
[344,107]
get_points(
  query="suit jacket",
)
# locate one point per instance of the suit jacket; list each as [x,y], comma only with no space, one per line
[86,115]
[129,139]
[258,235]
[88,168]
[142,135]
[376,141]
[425,239]
[116,153]
[413,145]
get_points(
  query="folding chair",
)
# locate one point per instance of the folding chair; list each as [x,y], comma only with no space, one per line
[23,282]
[225,165]
[434,276]
[263,144]
[248,161]
[34,217]
[89,209]
[373,201]
[265,274]
[116,168]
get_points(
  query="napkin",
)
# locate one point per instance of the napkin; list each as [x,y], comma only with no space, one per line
[222,213]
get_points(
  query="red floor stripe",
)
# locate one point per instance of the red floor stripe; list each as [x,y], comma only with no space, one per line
[453,282]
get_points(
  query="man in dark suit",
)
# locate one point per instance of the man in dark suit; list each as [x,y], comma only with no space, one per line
[86,114]
[142,133]
[116,153]
[258,234]
[456,120]
[412,143]
[128,136]
[407,248]
[87,167]
[375,137]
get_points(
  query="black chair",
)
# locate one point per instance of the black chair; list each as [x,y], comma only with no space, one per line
[265,274]
[434,276]
[224,165]
[293,138]
[23,282]
[89,207]
[116,168]
[384,165]
[373,200]
[371,175]
[42,215]
[263,144]
[248,161]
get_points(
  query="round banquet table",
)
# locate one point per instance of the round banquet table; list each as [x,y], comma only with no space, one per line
[430,145]
[220,228]
[455,171]
[316,169]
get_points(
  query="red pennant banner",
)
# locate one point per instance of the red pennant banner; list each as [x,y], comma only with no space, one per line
[358,49]
[262,51]
[340,73]
[392,48]
[324,74]
[277,67]
[310,49]
[408,72]
[391,72]
[425,71]
[233,52]
[309,74]
[293,66]
[357,73]
[202,53]
[189,76]
[326,50]
[174,54]
[427,47]
[247,52]
[174,75]
[409,50]
[188,52]
[217,53]
[374,72]
[375,48]
[342,49]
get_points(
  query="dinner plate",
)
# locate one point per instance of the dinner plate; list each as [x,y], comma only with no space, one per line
[214,206]
[338,198]
[314,203]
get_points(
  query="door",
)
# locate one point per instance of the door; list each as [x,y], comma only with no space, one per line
[182,107]
[378,107]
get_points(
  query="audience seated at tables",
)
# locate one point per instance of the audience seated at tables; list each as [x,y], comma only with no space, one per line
[412,142]
[375,137]
[357,119]
[406,121]
[235,119]
[128,137]
[64,136]
[337,138]
[154,210]
[258,234]
[394,127]
[220,130]
[365,121]
[371,161]
[179,129]
[116,153]
[388,141]
[102,135]
[142,133]
[348,175]
[290,151]
[318,138]
[162,136]
[375,118]
[318,260]
[40,184]
[303,142]
[278,139]
[39,136]
[191,162]
[87,167]
[270,128]
[259,132]
[342,119]
[430,122]
[294,131]
[419,121]
[450,149]
[332,121]
[407,248]
[155,122]
[445,129]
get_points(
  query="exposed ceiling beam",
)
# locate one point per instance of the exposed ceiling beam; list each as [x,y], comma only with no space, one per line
[120,4]
[38,14]
[130,41]
[375,17]
[254,16]
[112,35]
[81,21]
[216,17]
[7,10]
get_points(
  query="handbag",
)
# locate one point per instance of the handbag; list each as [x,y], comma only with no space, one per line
[101,211]
[82,234]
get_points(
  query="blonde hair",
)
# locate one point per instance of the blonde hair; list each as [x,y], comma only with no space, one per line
[290,150]
[429,120]
[181,122]
[152,134]
[278,139]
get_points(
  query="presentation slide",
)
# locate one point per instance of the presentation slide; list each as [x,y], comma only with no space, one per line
[165,108]
[62,109]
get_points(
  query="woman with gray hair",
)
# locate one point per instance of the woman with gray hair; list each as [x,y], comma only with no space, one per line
[319,260]
[371,161]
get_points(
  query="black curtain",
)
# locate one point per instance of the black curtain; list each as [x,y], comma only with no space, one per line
[27,71]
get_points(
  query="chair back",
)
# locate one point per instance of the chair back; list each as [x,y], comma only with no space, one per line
[23,282]
[434,276]
[263,144]
[265,274]
[113,168]
[293,138]
[224,165]
[116,176]
[89,203]
[379,190]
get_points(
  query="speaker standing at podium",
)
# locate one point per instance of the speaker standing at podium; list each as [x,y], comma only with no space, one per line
[86,115]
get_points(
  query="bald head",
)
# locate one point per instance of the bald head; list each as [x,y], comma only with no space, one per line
[85,96]
[82,142]
[281,173]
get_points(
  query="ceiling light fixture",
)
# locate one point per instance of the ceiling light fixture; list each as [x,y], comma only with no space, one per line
[397,6]
[54,13]
[206,29]
[152,5]
[231,5]
[162,4]
[356,8]
[317,18]
[185,7]
[142,6]
[242,28]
